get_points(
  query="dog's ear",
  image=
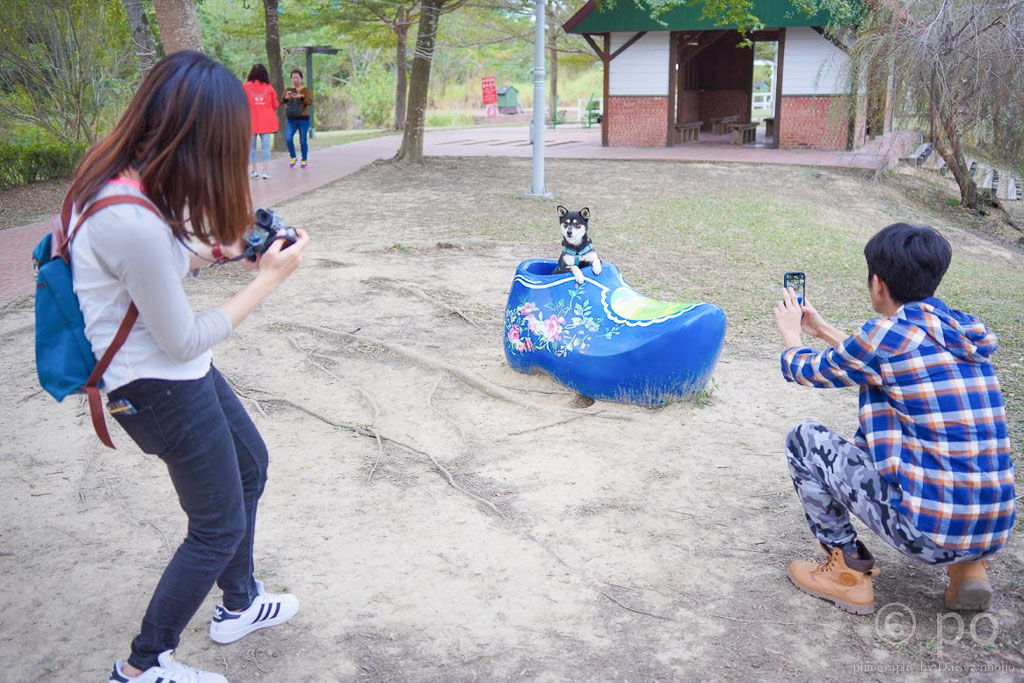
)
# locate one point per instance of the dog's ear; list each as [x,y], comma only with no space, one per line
[585,212]
[562,211]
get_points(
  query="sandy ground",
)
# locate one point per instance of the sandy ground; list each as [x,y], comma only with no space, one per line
[629,545]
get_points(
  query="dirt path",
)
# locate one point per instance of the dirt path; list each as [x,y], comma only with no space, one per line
[652,548]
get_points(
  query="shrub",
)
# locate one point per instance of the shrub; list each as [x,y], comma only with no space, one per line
[25,163]
[373,94]
[334,110]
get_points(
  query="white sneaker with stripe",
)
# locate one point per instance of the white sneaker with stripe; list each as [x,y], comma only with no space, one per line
[268,609]
[168,670]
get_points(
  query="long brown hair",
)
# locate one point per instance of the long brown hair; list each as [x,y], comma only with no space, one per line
[186,132]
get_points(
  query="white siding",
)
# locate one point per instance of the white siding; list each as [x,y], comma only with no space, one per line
[812,65]
[643,68]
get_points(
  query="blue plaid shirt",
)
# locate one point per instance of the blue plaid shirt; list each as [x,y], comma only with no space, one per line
[931,416]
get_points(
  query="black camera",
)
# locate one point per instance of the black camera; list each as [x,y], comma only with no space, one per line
[269,228]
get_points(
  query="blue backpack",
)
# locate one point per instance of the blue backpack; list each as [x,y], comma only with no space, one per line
[64,359]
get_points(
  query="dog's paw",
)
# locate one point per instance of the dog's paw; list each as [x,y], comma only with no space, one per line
[597,268]
[579,279]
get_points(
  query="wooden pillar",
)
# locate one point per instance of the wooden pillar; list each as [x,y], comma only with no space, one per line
[607,82]
[778,88]
[670,102]
[681,80]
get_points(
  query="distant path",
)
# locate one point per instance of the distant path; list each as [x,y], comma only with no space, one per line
[331,163]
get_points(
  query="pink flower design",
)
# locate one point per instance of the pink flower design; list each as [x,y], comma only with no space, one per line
[528,344]
[513,334]
[528,308]
[533,323]
[552,330]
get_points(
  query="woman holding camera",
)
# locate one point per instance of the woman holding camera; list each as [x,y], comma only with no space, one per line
[297,99]
[181,147]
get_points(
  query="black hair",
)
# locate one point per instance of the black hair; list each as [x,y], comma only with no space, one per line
[258,73]
[297,71]
[909,259]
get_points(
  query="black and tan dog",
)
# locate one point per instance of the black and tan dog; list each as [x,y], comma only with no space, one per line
[577,250]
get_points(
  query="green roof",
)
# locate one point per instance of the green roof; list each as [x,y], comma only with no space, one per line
[627,16]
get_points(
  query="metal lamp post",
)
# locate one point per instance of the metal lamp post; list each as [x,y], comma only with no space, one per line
[537,188]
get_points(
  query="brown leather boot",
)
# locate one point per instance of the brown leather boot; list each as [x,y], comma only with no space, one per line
[969,588]
[842,580]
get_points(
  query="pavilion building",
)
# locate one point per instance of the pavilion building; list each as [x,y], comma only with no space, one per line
[664,75]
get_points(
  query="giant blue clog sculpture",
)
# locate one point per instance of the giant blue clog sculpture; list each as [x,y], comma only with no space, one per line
[607,341]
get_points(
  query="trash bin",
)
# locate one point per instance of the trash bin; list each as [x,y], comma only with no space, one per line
[508,100]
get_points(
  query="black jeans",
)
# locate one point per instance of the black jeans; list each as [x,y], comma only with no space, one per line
[218,465]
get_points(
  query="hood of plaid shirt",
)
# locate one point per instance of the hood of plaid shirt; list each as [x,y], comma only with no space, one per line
[960,333]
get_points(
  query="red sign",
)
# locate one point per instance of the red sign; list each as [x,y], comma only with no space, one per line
[490,90]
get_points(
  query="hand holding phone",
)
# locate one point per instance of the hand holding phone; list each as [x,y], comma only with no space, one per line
[796,280]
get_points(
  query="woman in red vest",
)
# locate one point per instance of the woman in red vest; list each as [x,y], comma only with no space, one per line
[263,112]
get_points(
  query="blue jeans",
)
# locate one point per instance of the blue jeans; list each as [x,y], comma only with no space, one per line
[218,466]
[264,147]
[301,125]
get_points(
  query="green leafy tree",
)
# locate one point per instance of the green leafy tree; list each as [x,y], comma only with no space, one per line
[54,72]
[411,150]
[370,24]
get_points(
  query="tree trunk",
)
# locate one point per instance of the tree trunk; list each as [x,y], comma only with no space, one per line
[142,37]
[411,150]
[179,25]
[273,42]
[943,128]
[553,47]
[969,195]
[401,68]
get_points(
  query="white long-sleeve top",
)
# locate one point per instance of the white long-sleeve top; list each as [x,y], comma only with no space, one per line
[127,253]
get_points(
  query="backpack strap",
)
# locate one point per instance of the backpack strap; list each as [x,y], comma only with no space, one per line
[91,386]
[98,205]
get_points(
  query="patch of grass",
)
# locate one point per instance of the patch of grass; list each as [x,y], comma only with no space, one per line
[448,119]
[702,399]
[330,138]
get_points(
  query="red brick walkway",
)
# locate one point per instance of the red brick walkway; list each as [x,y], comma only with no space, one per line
[332,163]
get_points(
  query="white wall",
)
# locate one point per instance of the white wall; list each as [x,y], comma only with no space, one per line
[643,68]
[812,65]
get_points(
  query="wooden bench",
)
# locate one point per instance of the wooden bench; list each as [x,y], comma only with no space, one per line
[720,125]
[688,132]
[769,127]
[742,133]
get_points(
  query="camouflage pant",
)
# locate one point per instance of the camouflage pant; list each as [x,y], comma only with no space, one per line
[834,478]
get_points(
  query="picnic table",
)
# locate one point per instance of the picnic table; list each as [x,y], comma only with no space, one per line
[720,124]
[688,132]
[742,133]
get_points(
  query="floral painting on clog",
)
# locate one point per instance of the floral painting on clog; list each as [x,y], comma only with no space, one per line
[562,326]
[605,340]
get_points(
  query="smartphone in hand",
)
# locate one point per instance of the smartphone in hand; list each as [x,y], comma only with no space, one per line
[798,281]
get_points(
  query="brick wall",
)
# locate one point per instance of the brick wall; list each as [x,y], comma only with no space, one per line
[813,123]
[637,121]
[719,103]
